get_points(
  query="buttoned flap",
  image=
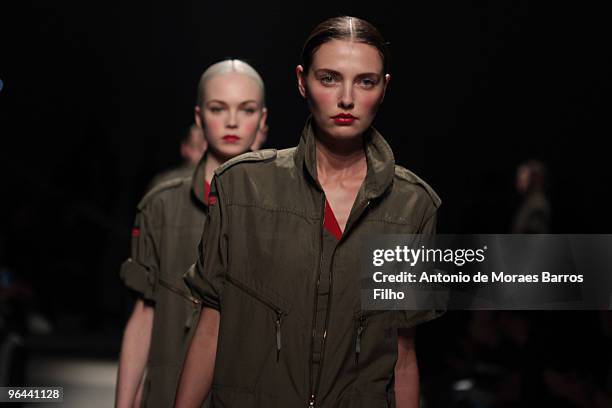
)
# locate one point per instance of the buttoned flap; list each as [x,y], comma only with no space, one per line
[138,278]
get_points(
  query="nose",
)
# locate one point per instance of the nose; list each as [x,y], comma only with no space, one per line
[232,120]
[346,100]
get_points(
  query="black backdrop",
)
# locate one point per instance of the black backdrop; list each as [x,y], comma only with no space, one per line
[97,94]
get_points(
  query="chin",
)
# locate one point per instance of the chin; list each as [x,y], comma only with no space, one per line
[345,132]
[232,150]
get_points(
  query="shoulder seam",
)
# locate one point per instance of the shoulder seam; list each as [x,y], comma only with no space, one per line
[256,156]
[405,174]
[164,185]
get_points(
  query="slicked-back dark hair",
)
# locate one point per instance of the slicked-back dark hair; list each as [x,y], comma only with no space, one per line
[345,28]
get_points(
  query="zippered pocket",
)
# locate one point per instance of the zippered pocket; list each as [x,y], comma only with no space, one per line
[189,323]
[361,319]
[280,312]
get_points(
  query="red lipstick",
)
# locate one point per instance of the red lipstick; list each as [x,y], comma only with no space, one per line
[231,138]
[344,119]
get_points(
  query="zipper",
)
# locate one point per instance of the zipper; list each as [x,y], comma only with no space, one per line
[278,335]
[331,285]
[180,292]
[362,319]
[189,322]
[277,310]
[329,297]
[311,386]
[360,328]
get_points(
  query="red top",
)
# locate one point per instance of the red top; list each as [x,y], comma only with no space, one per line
[207,198]
[330,222]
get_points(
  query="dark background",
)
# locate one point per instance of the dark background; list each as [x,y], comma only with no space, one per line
[97,95]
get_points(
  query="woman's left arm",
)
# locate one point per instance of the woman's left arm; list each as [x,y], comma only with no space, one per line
[406,371]
[407,393]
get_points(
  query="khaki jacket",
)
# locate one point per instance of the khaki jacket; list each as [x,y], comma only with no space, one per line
[259,265]
[166,233]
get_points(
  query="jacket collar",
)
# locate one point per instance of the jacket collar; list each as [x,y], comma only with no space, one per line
[381,163]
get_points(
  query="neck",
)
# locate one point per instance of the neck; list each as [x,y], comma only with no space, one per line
[212,162]
[339,158]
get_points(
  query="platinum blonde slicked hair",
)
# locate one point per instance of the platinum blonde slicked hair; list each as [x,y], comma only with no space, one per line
[226,67]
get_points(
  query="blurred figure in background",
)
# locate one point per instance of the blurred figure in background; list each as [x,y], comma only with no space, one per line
[193,146]
[230,111]
[533,214]
[262,136]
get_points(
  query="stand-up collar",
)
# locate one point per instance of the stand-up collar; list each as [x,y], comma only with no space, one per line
[381,164]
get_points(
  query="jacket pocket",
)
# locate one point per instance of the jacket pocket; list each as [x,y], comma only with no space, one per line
[196,303]
[361,322]
[272,302]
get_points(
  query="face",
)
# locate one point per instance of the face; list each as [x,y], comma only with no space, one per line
[522,180]
[231,114]
[344,87]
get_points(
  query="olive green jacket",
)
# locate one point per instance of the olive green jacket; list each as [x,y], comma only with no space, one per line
[259,263]
[182,171]
[166,233]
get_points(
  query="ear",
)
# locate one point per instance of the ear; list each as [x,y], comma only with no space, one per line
[264,118]
[387,80]
[299,72]
[197,116]
[262,132]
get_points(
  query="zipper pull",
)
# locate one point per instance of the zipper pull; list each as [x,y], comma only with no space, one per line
[311,401]
[358,341]
[278,335]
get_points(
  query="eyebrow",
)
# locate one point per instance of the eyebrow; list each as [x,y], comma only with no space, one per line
[225,103]
[331,71]
[216,101]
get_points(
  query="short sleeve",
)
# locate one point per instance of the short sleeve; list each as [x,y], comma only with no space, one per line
[139,272]
[206,278]
[429,224]
[406,319]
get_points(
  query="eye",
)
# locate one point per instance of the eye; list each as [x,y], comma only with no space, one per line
[327,79]
[215,109]
[250,111]
[368,82]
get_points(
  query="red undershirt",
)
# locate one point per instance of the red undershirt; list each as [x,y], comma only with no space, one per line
[330,222]
[207,199]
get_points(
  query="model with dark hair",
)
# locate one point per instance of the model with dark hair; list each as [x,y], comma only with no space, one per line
[278,272]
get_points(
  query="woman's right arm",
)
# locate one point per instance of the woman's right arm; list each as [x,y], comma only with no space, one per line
[134,354]
[196,378]
[139,274]
[206,280]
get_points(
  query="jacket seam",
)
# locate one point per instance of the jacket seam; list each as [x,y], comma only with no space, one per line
[390,221]
[273,209]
